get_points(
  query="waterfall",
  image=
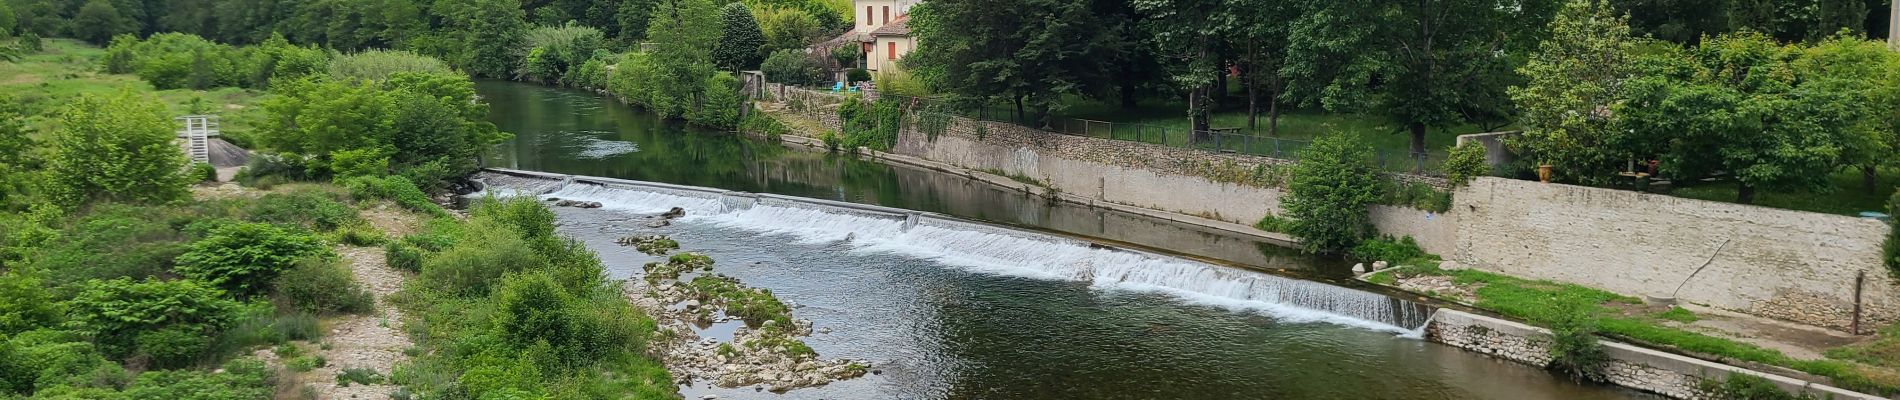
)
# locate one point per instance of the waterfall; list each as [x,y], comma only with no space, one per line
[987,249]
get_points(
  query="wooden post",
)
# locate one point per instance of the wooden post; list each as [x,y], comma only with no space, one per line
[1859,280]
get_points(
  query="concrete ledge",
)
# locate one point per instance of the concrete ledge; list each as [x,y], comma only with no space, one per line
[1635,367]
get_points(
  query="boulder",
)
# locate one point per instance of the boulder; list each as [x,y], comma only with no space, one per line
[1359,268]
[676,212]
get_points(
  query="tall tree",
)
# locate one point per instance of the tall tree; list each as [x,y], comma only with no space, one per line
[1575,79]
[741,43]
[1260,46]
[1190,35]
[1423,64]
[1733,105]
[1030,56]
[1864,69]
[98,21]
[493,38]
[682,33]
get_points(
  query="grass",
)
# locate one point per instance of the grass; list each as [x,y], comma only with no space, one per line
[1846,195]
[1546,303]
[47,80]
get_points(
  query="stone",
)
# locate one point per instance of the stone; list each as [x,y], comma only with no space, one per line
[1450,265]
[676,212]
[709,397]
[1359,268]
[692,304]
[1378,265]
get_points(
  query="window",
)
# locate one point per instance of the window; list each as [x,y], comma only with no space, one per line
[887,14]
[868,17]
[891,53]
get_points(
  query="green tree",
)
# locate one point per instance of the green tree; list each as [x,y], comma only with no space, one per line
[1260,47]
[1424,64]
[1331,192]
[682,32]
[116,148]
[493,38]
[98,21]
[632,17]
[792,67]
[1732,105]
[720,110]
[9,23]
[1865,69]
[1573,82]
[788,29]
[741,44]
[1189,34]
[1030,56]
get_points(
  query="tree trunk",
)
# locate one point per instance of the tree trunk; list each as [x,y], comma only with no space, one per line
[1870,177]
[1020,117]
[1253,103]
[1197,110]
[1745,193]
[1273,113]
[1418,147]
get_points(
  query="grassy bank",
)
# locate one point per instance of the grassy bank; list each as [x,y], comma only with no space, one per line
[46,80]
[1625,318]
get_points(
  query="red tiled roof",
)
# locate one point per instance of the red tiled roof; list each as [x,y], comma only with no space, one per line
[899,27]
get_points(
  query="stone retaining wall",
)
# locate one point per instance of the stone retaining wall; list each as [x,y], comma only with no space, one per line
[1634,367]
[1790,265]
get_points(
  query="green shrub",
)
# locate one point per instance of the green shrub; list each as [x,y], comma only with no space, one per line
[1418,195]
[239,379]
[1274,223]
[115,312]
[244,258]
[111,241]
[719,108]
[1892,247]
[375,65]
[485,253]
[306,363]
[402,256]
[360,376]
[1396,251]
[322,286]
[280,168]
[25,304]
[1330,194]
[312,208]
[857,75]
[393,188]
[1465,162]
[1575,351]
[360,234]
[204,172]
[172,347]
[351,163]
[792,67]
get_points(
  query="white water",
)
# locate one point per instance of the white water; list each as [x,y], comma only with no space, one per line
[985,249]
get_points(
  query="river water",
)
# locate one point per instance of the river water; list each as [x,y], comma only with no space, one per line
[974,311]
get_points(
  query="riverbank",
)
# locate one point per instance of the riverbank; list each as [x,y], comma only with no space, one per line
[1037,165]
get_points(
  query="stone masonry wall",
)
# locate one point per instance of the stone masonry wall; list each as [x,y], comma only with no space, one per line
[1634,367]
[1790,265]
[1186,181]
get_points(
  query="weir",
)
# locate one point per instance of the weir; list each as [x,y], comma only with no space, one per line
[982,248]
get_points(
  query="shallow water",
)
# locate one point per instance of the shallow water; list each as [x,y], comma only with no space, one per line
[959,311]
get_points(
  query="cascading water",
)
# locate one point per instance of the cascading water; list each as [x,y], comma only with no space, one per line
[989,249]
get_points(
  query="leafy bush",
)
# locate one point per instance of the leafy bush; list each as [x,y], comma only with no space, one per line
[1274,223]
[792,67]
[555,52]
[359,234]
[900,83]
[1575,351]
[283,167]
[741,44]
[394,188]
[244,258]
[172,347]
[1330,194]
[1465,162]
[116,148]
[720,108]
[240,379]
[360,376]
[25,304]
[1418,195]
[312,208]
[1892,246]
[322,287]
[375,65]
[306,363]
[115,312]
[204,172]
[1388,249]
[402,256]
[483,255]
[111,241]
[857,75]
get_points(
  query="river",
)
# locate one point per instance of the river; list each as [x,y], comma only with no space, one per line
[973,311]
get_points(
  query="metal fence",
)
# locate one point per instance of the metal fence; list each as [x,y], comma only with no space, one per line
[1234,141]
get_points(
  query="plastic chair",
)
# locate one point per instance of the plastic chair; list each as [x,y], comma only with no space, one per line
[837,87]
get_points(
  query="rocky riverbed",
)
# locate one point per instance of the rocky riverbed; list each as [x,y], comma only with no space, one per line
[766,351]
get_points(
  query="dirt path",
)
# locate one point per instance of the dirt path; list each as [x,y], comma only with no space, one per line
[373,342]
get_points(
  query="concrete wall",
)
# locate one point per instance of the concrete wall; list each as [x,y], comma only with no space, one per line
[1790,265]
[1630,366]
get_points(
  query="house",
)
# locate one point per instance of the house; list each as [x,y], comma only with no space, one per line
[882,31]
